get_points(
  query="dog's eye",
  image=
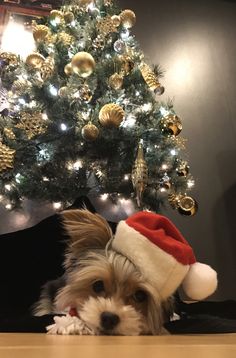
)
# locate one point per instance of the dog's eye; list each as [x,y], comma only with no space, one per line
[140,296]
[98,286]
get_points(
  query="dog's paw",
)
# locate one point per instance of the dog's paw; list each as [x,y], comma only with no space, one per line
[68,325]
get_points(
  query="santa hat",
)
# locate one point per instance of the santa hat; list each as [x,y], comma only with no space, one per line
[165,259]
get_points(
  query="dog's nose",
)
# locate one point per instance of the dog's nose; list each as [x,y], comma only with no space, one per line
[109,320]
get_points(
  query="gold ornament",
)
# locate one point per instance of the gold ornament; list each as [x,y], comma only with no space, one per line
[35,60]
[127,64]
[128,18]
[106,26]
[9,133]
[83,64]
[116,20]
[108,2]
[21,86]
[68,69]
[173,200]
[90,132]
[65,39]
[32,123]
[47,68]
[7,156]
[165,183]
[151,79]
[116,81]
[99,43]
[171,124]
[85,93]
[85,3]
[68,17]
[111,115]
[187,206]
[11,59]
[56,16]
[182,169]
[140,175]
[63,91]
[40,32]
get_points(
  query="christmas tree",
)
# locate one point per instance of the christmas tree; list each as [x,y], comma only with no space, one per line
[82,114]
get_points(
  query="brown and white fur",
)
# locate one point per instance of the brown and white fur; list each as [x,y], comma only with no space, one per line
[108,291]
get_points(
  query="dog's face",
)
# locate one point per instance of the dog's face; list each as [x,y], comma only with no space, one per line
[108,291]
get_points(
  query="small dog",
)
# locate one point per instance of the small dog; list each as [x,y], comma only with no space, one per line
[107,290]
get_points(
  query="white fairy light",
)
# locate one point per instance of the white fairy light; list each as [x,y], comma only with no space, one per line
[137,93]
[125,35]
[108,55]
[45,179]
[44,116]
[8,206]
[164,111]
[18,178]
[8,187]
[78,164]
[91,6]
[53,90]
[173,152]
[126,177]
[63,127]
[22,101]
[104,197]
[73,23]
[164,166]
[162,190]
[129,122]
[190,183]
[147,107]
[57,205]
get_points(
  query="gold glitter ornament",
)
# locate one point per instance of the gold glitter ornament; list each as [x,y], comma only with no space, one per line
[47,68]
[151,79]
[10,59]
[127,64]
[63,92]
[69,17]
[171,124]
[65,39]
[83,64]
[68,69]
[32,123]
[8,132]
[116,81]
[21,86]
[40,32]
[85,93]
[140,175]
[7,156]
[111,115]
[182,169]
[90,132]
[116,20]
[35,60]
[187,206]
[99,43]
[106,26]
[128,18]
[56,17]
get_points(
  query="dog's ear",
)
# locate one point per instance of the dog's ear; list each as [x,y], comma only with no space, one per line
[86,230]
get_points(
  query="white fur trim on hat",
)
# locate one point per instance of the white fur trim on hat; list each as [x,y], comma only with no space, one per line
[200,282]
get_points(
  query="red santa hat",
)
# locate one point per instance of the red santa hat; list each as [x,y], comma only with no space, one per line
[165,259]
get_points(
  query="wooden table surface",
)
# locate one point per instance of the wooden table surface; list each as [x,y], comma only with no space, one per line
[45,346]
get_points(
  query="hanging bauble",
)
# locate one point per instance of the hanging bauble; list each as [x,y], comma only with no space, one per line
[85,93]
[106,26]
[140,175]
[56,17]
[127,64]
[83,64]
[182,168]
[9,59]
[187,206]
[8,132]
[116,20]
[90,132]
[68,69]
[111,115]
[35,60]
[68,17]
[63,92]
[21,86]
[47,69]
[171,124]
[151,79]
[32,123]
[128,18]
[7,156]
[120,46]
[99,43]
[173,199]
[64,38]
[40,32]
[116,81]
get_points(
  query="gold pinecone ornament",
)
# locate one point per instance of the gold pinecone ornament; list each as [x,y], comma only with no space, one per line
[21,86]
[8,132]
[128,18]
[171,124]
[83,64]
[111,115]
[33,124]
[7,156]
[116,81]
[140,175]
[151,79]
[65,39]
[40,32]
[47,68]
[90,132]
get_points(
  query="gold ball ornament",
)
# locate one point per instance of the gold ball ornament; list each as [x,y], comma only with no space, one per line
[56,16]
[171,124]
[8,132]
[7,156]
[68,17]
[187,206]
[83,64]
[128,18]
[116,81]
[90,132]
[40,32]
[63,92]
[68,69]
[182,169]
[111,115]
[35,60]
[116,20]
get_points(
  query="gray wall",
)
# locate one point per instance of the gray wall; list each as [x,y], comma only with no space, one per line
[195,42]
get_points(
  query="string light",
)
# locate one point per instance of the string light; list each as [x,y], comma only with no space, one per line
[164,111]
[190,183]
[147,107]
[45,179]
[44,116]
[104,197]
[129,122]
[63,127]
[126,177]
[164,166]
[8,206]
[53,90]
[57,205]
[8,187]
[22,101]
[173,152]
[125,35]
[18,178]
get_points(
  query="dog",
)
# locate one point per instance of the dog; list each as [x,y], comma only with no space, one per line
[106,289]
